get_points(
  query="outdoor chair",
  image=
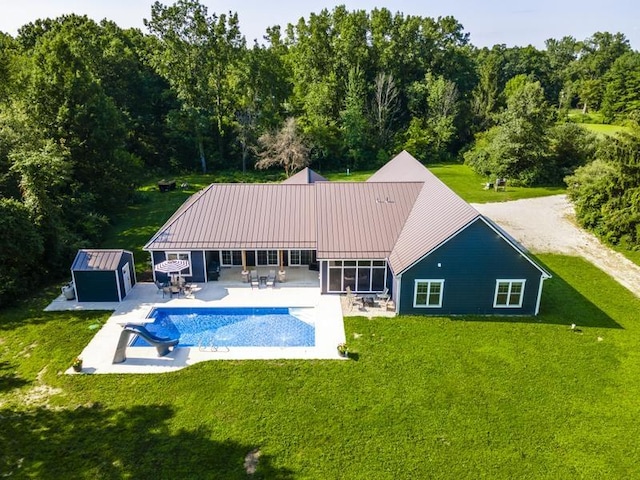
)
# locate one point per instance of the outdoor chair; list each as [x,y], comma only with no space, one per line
[254,279]
[351,298]
[383,296]
[271,278]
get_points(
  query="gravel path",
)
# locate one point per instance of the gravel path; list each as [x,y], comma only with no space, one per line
[547,225]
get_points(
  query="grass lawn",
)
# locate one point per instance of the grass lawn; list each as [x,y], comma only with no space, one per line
[602,129]
[421,398]
[465,182]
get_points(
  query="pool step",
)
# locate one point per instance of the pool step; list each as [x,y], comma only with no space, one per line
[306,315]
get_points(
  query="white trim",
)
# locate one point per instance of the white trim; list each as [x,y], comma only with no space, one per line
[542,279]
[544,273]
[118,285]
[180,252]
[429,282]
[455,234]
[510,281]
[398,286]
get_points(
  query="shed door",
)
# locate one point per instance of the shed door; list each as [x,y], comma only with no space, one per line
[126,274]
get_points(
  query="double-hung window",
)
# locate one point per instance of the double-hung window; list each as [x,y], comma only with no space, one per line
[509,293]
[428,293]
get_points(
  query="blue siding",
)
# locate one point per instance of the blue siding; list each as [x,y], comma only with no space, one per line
[198,266]
[470,264]
[96,286]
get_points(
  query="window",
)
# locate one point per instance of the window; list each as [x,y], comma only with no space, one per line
[428,293]
[509,293]
[359,275]
[181,256]
[266,257]
[231,257]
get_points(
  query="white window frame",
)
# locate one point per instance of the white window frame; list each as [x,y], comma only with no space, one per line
[230,252]
[272,258]
[510,282]
[429,282]
[178,255]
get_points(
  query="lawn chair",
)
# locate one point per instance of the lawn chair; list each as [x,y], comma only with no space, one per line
[351,298]
[271,278]
[253,275]
[383,296]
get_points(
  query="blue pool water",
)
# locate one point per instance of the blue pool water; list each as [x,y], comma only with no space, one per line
[230,327]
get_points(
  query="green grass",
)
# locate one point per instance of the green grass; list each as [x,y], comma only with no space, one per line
[602,129]
[421,398]
[465,182]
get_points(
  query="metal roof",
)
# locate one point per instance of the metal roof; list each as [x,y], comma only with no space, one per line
[401,168]
[438,213]
[242,216]
[403,212]
[361,220]
[97,260]
[305,176]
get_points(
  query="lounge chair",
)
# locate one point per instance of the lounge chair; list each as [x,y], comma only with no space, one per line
[352,299]
[254,279]
[271,278]
[384,295]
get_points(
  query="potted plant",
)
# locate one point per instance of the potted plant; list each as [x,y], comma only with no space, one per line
[343,350]
[77,364]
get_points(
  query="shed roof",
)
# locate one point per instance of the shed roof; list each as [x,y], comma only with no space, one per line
[242,216]
[97,260]
[305,176]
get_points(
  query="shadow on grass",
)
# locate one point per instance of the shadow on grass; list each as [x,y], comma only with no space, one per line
[8,379]
[561,304]
[96,442]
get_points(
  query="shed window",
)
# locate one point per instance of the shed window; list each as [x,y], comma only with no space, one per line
[428,293]
[509,293]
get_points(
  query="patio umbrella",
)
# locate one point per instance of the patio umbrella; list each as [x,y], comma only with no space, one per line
[171,266]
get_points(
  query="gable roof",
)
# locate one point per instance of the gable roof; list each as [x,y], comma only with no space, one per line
[401,168]
[242,216]
[89,260]
[437,214]
[402,212]
[305,176]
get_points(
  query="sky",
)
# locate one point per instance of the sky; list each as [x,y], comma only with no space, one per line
[489,22]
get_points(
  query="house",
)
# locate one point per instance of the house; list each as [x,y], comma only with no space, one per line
[403,229]
[103,275]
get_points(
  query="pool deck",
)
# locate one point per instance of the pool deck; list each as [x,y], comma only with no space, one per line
[98,354]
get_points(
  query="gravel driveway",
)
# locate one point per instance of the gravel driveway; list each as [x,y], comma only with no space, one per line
[548,225]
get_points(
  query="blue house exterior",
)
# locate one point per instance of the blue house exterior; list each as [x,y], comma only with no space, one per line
[403,231]
[478,271]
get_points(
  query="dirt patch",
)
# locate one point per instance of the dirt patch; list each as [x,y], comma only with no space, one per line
[548,225]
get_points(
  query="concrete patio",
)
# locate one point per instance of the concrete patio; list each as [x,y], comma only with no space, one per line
[324,311]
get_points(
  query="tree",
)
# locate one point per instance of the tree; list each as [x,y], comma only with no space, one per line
[433,103]
[284,148]
[622,92]
[354,128]
[195,52]
[384,109]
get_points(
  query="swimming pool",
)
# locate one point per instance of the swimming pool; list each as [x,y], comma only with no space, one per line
[232,327]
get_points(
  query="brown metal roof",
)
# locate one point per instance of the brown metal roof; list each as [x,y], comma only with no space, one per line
[361,220]
[242,216]
[305,176]
[438,213]
[401,168]
[94,260]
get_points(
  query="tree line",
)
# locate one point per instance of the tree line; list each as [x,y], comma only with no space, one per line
[87,108]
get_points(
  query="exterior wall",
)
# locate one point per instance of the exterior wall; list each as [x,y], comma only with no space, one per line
[127,257]
[198,266]
[96,286]
[470,263]
[324,275]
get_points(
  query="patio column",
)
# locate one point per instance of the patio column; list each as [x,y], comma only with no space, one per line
[244,260]
[281,259]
